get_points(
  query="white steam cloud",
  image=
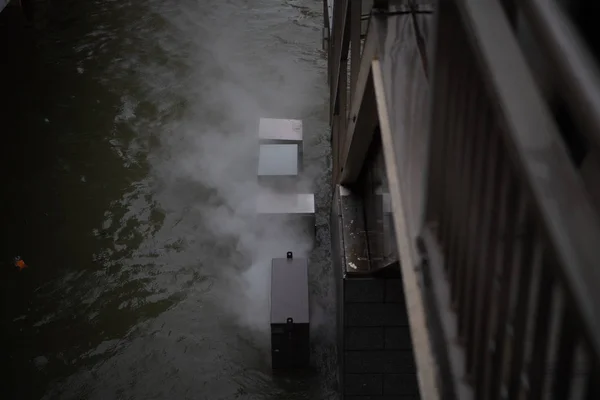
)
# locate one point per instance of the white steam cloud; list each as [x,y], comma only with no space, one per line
[213,150]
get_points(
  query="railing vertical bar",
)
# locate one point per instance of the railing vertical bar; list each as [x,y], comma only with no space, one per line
[491,282]
[563,377]
[456,97]
[471,163]
[512,257]
[336,42]
[446,127]
[539,354]
[475,226]
[335,144]
[343,116]
[355,18]
[456,196]
[438,123]
[593,381]
[486,256]
[531,259]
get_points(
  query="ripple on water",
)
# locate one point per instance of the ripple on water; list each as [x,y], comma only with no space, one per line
[165,290]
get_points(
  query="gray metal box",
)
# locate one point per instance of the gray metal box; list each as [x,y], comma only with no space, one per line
[290,318]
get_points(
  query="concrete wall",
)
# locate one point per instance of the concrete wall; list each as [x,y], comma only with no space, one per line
[378,359]
[375,350]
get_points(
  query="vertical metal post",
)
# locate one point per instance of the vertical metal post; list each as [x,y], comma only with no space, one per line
[343,115]
[355,30]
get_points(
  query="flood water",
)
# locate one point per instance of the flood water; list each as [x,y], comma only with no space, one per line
[127,131]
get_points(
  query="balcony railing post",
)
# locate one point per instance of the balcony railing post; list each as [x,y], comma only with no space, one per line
[355,31]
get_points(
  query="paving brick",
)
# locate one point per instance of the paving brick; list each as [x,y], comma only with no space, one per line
[364,338]
[397,338]
[379,361]
[363,384]
[375,314]
[400,384]
[394,291]
[364,290]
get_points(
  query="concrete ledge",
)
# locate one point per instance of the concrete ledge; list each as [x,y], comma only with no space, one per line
[375,350]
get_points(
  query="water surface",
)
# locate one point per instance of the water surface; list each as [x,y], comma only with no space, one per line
[127,168]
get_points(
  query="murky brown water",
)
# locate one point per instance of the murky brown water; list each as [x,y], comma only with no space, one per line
[127,131]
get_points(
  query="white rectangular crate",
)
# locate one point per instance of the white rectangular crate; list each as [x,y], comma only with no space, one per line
[273,130]
[302,204]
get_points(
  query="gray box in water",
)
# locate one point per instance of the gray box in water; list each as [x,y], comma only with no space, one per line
[290,318]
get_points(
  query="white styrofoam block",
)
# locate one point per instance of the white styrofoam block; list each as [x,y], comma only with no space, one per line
[284,130]
[285,203]
[278,160]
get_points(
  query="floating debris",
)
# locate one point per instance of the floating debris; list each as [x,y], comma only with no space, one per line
[19,263]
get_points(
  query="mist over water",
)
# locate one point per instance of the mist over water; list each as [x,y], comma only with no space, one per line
[149,271]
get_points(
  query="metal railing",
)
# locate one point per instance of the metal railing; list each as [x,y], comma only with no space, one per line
[487,203]
[511,239]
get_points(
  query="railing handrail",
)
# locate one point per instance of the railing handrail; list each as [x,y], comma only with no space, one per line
[579,73]
[532,134]
[503,126]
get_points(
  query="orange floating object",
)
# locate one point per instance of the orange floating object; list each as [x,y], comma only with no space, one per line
[19,263]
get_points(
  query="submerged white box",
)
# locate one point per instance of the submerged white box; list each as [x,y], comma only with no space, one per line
[293,210]
[286,203]
[280,130]
[278,160]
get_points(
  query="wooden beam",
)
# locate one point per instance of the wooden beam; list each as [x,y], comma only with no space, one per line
[537,150]
[357,144]
[340,50]
[355,32]
[409,259]
[362,118]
